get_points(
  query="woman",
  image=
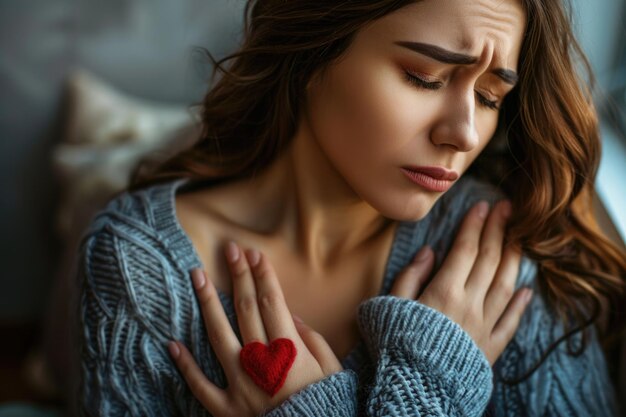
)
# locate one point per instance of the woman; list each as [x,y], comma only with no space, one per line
[317,253]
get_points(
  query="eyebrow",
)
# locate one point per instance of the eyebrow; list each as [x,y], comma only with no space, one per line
[455,58]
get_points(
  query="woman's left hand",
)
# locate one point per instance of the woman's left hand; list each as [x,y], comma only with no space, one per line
[263,316]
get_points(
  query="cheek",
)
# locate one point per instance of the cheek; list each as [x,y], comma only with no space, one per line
[366,124]
[365,113]
[486,125]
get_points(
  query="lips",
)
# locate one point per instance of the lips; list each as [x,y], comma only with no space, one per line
[437,179]
[438,173]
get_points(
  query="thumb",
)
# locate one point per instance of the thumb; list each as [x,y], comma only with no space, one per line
[318,347]
[410,280]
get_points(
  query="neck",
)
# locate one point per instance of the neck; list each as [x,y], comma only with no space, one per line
[306,204]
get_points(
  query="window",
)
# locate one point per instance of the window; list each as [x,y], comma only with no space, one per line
[601,30]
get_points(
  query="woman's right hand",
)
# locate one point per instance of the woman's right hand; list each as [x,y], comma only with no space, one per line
[475,285]
[263,317]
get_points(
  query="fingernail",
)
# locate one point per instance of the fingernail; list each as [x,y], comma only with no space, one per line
[423,254]
[232,252]
[297,318]
[173,348]
[528,295]
[198,278]
[483,209]
[254,257]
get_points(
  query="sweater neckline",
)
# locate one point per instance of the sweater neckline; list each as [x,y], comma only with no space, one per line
[181,245]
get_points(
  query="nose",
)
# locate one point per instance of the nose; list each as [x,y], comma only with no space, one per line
[456,125]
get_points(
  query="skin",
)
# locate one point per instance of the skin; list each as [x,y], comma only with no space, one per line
[326,210]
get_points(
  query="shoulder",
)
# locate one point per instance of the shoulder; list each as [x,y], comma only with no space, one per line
[144,219]
[144,209]
[132,260]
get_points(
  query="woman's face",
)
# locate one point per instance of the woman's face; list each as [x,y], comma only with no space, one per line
[417,88]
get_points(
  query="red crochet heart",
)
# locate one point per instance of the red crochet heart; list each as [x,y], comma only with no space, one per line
[268,365]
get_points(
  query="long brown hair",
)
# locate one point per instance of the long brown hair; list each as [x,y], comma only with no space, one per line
[547,123]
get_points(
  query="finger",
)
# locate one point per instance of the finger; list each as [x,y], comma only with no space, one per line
[503,286]
[507,325]
[490,251]
[219,331]
[244,296]
[274,311]
[410,281]
[462,255]
[212,398]
[319,348]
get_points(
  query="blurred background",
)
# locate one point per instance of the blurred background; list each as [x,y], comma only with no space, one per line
[88,87]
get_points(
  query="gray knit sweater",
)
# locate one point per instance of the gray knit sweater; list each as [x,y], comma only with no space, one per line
[136,295]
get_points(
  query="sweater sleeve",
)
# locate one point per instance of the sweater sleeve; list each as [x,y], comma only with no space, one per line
[426,364]
[127,316]
[333,396]
[125,369]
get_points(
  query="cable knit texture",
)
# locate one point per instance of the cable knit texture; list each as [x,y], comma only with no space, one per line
[136,295]
[420,348]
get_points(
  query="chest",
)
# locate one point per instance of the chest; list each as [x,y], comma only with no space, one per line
[327,302]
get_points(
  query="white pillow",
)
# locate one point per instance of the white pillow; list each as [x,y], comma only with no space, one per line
[106,134]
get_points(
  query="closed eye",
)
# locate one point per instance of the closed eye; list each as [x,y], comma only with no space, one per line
[423,83]
[435,85]
[493,105]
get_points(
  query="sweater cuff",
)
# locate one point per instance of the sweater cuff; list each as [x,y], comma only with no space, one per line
[405,328]
[333,396]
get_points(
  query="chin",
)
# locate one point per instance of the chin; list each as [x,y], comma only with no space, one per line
[407,209]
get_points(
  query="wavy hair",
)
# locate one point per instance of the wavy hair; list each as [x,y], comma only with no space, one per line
[546,149]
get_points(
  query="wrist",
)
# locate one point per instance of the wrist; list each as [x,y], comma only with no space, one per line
[405,329]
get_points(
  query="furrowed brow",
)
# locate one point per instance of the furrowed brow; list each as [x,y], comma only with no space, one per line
[438,53]
[455,58]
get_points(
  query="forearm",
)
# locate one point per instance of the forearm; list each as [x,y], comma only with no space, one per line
[425,363]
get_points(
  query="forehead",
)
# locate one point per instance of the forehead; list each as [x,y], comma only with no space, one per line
[468,26]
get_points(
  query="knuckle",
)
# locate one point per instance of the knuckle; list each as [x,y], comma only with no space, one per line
[263,273]
[246,305]
[505,291]
[449,294]
[467,246]
[269,301]
[240,270]
[490,253]
[206,296]
[475,312]
[215,338]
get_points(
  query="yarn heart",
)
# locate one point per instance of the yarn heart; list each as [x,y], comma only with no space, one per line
[268,365]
